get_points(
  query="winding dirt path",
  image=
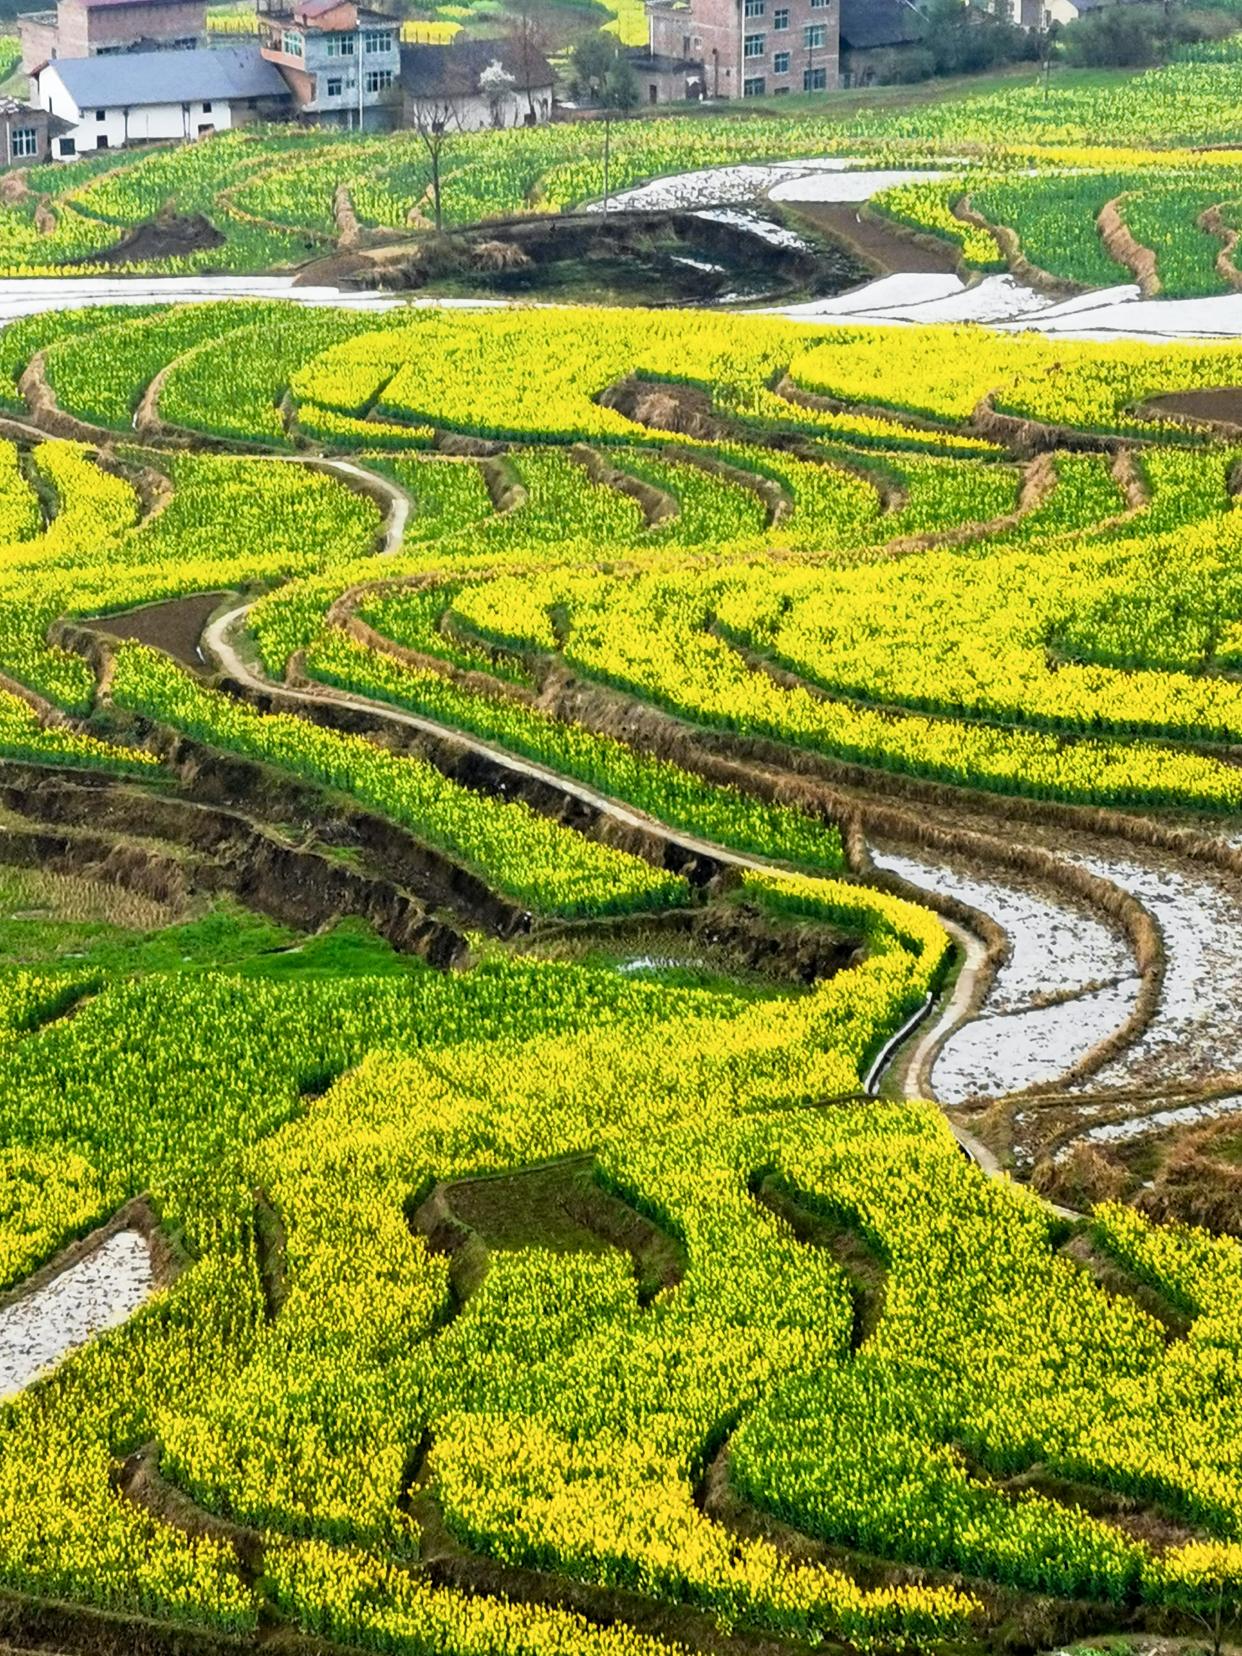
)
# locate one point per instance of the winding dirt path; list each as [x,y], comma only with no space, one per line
[956,1010]
[219,644]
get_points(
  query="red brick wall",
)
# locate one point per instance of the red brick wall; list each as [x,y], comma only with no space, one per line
[84,29]
[713,31]
[38,42]
[36,118]
[709,30]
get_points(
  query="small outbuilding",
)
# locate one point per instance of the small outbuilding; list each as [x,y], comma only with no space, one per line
[468,85]
[26,135]
[110,102]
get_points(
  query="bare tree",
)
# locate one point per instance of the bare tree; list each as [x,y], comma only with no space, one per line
[437,121]
[531,40]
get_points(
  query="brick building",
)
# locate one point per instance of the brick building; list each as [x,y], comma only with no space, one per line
[740,48]
[342,64]
[99,28]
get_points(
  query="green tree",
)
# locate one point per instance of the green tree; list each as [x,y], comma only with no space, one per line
[593,58]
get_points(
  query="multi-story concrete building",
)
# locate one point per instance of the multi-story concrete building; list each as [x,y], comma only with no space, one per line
[99,28]
[739,48]
[342,64]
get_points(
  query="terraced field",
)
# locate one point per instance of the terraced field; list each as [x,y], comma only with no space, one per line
[1020,177]
[532,841]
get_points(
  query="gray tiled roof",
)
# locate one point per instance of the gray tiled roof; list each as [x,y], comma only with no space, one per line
[454,70]
[135,78]
[868,23]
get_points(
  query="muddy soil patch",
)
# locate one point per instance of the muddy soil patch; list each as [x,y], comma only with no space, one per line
[1219,405]
[728,938]
[170,236]
[653,258]
[884,251]
[106,832]
[174,627]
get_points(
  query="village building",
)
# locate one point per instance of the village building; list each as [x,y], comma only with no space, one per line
[473,84]
[342,64]
[739,48]
[27,135]
[871,30]
[146,97]
[105,28]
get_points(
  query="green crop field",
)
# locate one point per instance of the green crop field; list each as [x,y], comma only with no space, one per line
[619,961]
[1169,156]
[471,986]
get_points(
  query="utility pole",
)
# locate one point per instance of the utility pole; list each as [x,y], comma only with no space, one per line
[607,153]
[358,70]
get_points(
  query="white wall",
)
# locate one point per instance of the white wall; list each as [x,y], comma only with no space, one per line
[143,124]
[474,114]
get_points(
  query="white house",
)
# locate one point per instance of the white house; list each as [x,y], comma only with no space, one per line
[468,85]
[145,97]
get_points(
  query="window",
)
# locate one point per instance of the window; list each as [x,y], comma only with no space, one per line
[291,43]
[101,114]
[780,18]
[25,141]
[335,86]
[780,91]
[753,87]
[68,146]
[340,45]
[815,34]
[815,80]
[752,46]
[377,40]
[753,8]
[780,63]
[377,80]
[819,5]
[206,106]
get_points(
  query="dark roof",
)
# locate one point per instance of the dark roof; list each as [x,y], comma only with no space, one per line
[453,71]
[136,78]
[867,23]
